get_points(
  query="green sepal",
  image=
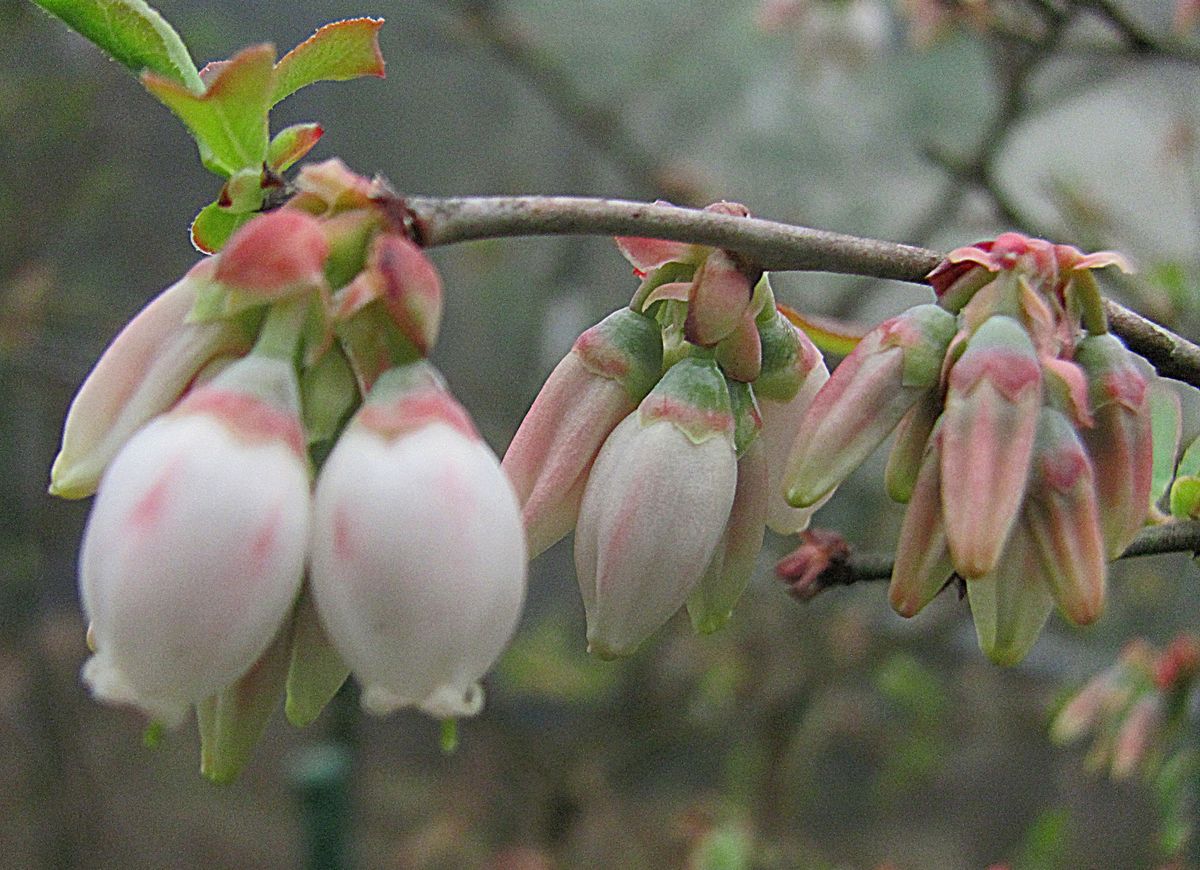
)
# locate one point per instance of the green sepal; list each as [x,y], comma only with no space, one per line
[908,451]
[328,396]
[315,670]
[373,344]
[923,359]
[243,192]
[233,721]
[229,119]
[132,33]
[763,301]
[292,143]
[626,347]
[218,302]
[349,234]
[693,396]
[780,349]
[667,273]
[747,421]
[965,288]
[336,52]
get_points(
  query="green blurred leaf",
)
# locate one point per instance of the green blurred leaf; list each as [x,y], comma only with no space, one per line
[1165,420]
[1045,842]
[133,34]
[336,52]
[910,685]
[725,847]
[292,143]
[547,661]
[229,120]
[1189,463]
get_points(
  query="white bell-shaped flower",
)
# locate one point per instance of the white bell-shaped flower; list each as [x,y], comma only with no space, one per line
[418,550]
[195,546]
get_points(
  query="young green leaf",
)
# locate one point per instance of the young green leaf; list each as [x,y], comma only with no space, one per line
[292,143]
[133,34]
[336,52]
[213,226]
[829,335]
[229,120]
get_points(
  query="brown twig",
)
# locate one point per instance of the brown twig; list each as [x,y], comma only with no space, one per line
[771,245]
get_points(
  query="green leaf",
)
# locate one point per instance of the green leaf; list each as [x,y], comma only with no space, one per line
[829,335]
[133,34]
[229,120]
[1165,414]
[292,143]
[213,226]
[336,52]
[1185,498]
[1189,463]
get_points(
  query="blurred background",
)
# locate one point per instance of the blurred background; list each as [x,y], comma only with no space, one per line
[829,734]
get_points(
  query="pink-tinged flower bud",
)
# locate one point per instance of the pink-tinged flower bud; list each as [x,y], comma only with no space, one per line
[865,398]
[1136,735]
[740,353]
[656,504]
[1121,444]
[195,546]
[330,187]
[1083,711]
[645,255]
[732,565]
[232,721]
[399,275]
[1012,603]
[922,564]
[598,384]
[988,429]
[821,560]
[1063,522]
[718,300]
[792,373]
[277,254]
[418,555]
[142,374]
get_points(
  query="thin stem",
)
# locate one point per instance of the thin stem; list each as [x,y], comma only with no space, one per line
[771,245]
[1173,537]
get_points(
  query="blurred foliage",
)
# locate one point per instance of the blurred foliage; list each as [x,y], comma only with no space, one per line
[826,735]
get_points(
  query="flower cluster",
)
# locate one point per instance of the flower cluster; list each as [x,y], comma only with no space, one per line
[1133,707]
[213,571]
[661,439]
[1023,445]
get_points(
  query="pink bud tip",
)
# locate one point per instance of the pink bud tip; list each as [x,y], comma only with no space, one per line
[275,254]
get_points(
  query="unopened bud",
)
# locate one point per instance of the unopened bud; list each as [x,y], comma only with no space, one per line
[988,429]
